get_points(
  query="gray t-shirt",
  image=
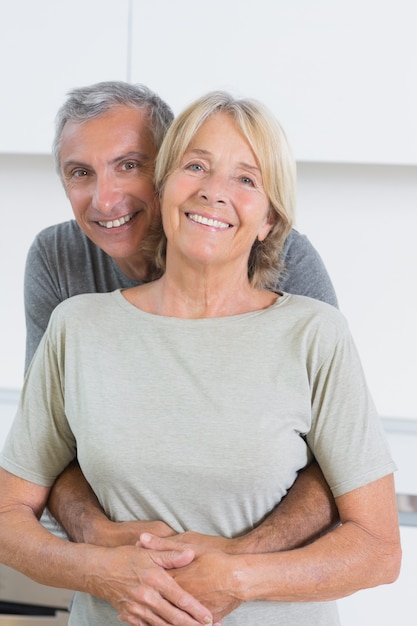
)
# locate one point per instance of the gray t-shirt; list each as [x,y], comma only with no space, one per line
[208,420]
[63,262]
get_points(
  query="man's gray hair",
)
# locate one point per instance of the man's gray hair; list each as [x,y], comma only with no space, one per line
[86,103]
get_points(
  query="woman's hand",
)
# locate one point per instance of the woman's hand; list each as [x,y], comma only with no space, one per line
[208,577]
[137,584]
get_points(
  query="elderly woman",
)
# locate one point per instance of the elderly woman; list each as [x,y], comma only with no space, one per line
[195,399]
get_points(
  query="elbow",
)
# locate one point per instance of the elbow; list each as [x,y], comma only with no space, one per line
[395,567]
[389,565]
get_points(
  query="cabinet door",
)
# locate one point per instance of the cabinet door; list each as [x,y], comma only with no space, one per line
[340,76]
[47,48]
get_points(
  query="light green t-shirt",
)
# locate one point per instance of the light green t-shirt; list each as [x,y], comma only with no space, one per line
[201,423]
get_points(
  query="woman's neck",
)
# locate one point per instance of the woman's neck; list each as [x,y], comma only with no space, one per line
[194,295]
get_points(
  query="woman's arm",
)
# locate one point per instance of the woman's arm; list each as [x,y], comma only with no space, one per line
[364,551]
[134,582]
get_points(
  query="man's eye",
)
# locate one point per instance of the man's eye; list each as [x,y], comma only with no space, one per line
[79,173]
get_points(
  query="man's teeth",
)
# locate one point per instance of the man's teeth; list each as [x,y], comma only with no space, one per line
[207,221]
[119,222]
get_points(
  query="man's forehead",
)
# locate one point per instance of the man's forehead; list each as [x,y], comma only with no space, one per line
[119,130]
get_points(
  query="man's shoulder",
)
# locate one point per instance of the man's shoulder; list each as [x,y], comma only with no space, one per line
[64,231]
[304,271]
[66,242]
[297,244]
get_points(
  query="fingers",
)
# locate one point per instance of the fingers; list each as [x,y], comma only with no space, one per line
[172,559]
[152,542]
[166,553]
[161,603]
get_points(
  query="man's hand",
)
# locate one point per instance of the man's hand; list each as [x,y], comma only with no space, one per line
[137,584]
[115,534]
[209,577]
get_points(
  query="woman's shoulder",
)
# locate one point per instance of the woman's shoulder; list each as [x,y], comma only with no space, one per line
[313,313]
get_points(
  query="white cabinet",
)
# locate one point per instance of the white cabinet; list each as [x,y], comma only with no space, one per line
[46,48]
[340,76]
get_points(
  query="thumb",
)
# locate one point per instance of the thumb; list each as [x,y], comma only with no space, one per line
[153,542]
[171,559]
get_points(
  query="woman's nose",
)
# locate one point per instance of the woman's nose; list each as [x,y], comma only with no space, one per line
[214,189]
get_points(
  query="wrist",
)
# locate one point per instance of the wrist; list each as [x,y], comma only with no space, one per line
[99,531]
[240,570]
[246,544]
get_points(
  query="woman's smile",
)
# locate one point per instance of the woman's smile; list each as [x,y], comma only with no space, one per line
[208,221]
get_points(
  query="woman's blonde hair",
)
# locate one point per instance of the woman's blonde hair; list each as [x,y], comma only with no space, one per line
[276,163]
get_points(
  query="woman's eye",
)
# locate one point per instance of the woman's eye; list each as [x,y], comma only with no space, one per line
[195,167]
[246,180]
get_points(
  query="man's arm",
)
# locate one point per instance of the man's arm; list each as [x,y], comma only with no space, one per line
[40,295]
[74,505]
[307,511]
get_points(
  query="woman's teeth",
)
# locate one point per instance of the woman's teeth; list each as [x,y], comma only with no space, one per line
[207,221]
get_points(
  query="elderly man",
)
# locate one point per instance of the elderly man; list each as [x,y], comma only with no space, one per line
[107,138]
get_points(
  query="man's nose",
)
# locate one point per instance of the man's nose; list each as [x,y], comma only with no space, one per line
[107,193]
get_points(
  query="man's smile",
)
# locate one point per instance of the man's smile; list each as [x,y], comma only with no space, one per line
[118,222]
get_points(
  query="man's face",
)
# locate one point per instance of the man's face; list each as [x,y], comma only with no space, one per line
[107,166]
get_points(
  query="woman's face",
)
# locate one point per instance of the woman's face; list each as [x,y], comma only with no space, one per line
[214,205]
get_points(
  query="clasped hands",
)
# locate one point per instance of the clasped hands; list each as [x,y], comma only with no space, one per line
[209,575]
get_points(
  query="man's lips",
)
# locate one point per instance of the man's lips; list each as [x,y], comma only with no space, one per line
[208,221]
[118,222]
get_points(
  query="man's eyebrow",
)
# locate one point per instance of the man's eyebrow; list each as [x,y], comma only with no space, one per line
[133,154]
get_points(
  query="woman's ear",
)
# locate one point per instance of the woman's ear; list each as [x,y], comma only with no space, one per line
[269,221]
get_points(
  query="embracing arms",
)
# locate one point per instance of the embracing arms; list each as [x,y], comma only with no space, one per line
[363,551]
[307,511]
